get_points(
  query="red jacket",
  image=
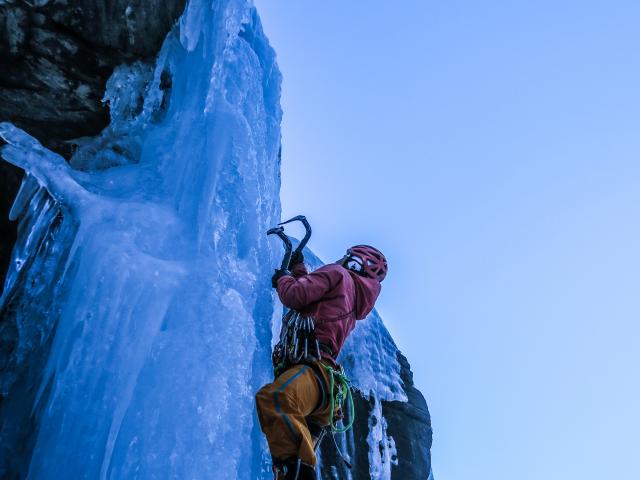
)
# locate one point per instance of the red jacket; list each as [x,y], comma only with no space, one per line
[333,296]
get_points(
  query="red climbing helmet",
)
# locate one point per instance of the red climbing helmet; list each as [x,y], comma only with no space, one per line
[368,261]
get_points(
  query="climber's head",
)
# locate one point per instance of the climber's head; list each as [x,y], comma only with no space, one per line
[366,261]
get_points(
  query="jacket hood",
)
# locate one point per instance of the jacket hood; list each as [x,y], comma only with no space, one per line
[367,291]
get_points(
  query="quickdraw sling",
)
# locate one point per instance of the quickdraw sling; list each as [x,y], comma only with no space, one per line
[297,343]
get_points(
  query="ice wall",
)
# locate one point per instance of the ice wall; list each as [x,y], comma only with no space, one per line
[148,259]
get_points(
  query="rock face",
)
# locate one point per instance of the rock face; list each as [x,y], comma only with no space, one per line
[9,182]
[55,59]
[60,55]
[407,423]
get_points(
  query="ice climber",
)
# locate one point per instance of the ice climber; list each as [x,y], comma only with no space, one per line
[295,408]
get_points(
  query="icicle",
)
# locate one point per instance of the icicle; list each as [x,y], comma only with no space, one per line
[36,211]
[48,168]
[27,191]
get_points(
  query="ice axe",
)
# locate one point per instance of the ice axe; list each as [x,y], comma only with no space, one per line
[307,235]
[279,231]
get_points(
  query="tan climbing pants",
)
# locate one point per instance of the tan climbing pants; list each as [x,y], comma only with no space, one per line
[287,405]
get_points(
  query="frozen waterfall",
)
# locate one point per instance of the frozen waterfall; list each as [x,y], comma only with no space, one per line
[161,303]
[139,290]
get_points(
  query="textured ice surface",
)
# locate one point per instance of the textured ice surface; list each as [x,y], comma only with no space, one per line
[161,298]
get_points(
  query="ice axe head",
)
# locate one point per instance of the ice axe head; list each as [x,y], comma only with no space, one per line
[297,218]
[307,228]
[275,231]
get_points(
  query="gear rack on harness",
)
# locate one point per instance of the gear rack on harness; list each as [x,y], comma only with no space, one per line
[297,344]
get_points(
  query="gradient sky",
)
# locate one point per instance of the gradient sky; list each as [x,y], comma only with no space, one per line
[492,151]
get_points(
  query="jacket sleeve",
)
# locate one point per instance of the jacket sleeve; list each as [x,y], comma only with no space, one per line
[298,293]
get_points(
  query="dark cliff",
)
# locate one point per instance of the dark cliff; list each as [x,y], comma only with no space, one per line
[55,59]
[407,423]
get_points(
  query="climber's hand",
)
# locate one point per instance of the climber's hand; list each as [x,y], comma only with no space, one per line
[276,276]
[296,258]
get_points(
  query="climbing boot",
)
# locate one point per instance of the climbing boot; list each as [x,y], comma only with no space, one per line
[293,469]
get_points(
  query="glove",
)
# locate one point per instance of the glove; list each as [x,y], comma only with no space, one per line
[276,276]
[296,258]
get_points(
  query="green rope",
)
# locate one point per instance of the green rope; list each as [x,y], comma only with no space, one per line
[343,386]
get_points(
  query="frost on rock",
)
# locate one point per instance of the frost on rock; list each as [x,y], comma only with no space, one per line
[382,447]
[134,95]
[140,281]
[369,357]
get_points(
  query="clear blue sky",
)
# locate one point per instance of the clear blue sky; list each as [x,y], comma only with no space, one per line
[492,151]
